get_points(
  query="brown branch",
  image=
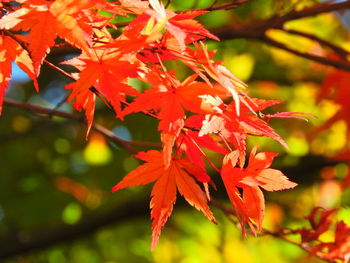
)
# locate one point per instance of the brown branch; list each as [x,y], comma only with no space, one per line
[251,33]
[343,65]
[314,10]
[213,4]
[63,72]
[339,50]
[258,30]
[167,3]
[98,128]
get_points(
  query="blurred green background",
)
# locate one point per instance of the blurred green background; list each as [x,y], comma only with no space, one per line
[56,185]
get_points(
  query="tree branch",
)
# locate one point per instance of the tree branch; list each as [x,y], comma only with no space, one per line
[258,31]
[339,50]
[127,145]
[314,10]
[343,65]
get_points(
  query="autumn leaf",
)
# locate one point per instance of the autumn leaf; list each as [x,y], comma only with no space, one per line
[35,16]
[181,26]
[169,99]
[340,248]
[234,128]
[218,72]
[335,87]
[208,110]
[107,74]
[320,222]
[10,51]
[190,142]
[169,180]
[250,206]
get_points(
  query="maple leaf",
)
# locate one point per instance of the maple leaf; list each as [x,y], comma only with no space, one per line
[335,87]
[10,51]
[105,72]
[190,142]
[259,105]
[151,21]
[170,98]
[340,248]
[134,6]
[250,206]
[220,74]
[62,16]
[234,128]
[320,223]
[181,26]
[169,180]
[153,52]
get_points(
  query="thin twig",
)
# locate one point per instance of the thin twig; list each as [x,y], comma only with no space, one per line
[225,6]
[213,4]
[167,4]
[63,72]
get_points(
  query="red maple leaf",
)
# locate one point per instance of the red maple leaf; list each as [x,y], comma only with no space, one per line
[320,223]
[234,127]
[181,26]
[340,248]
[249,206]
[10,51]
[191,143]
[105,72]
[336,88]
[170,99]
[169,180]
[61,16]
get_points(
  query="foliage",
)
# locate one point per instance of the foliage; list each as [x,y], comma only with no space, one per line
[154,67]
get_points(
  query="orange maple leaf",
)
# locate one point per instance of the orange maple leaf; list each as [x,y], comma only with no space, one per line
[250,206]
[234,127]
[45,21]
[321,222]
[182,26]
[10,51]
[336,88]
[170,98]
[168,181]
[103,72]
